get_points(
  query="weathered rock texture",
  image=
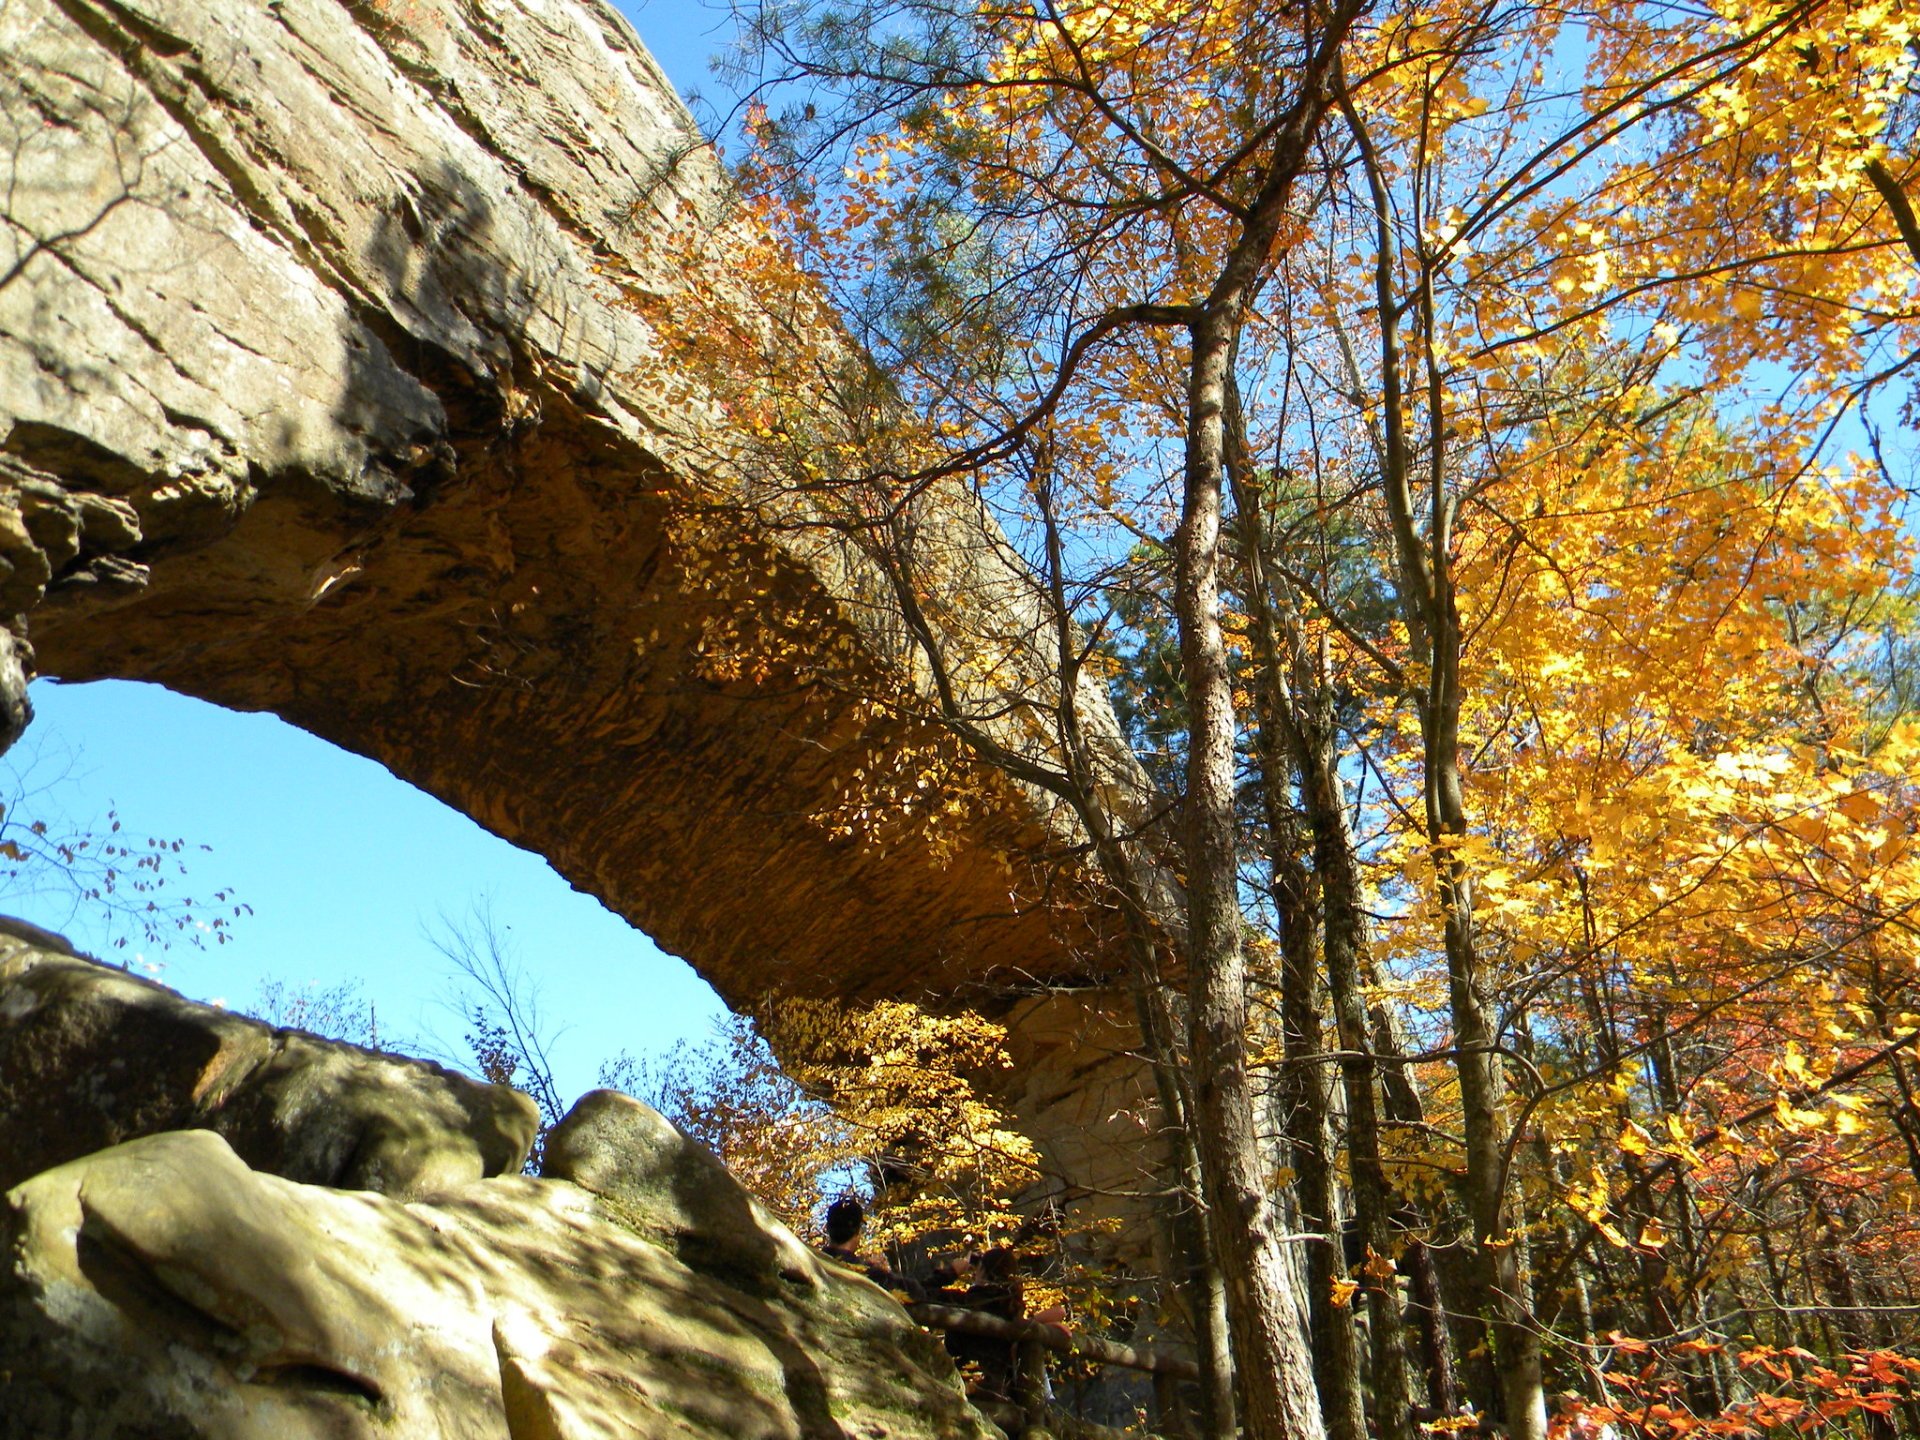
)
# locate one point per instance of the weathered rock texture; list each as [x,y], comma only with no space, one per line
[162,1289]
[325,389]
[91,1056]
[615,1146]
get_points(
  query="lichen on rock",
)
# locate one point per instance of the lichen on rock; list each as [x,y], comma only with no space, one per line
[162,1287]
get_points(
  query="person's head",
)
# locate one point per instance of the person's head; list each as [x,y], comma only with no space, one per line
[998,1264]
[844,1219]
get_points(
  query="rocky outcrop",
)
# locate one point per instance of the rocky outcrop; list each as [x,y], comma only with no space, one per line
[332,384]
[618,1148]
[91,1056]
[170,1286]
[326,389]
[163,1289]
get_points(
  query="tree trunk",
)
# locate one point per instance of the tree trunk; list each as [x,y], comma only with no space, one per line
[1148,924]
[1336,1352]
[1403,1106]
[1295,703]
[1196,1272]
[1500,1289]
[1276,1373]
[1343,944]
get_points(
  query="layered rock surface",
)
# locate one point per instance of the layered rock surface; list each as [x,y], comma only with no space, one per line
[91,1056]
[327,388]
[162,1287]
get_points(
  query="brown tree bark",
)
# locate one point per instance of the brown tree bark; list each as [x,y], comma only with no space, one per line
[1196,1274]
[1295,703]
[1275,1370]
[1336,1351]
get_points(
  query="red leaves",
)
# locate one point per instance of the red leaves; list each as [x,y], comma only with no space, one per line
[1808,1393]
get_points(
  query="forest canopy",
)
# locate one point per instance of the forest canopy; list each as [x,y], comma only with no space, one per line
[1471,446]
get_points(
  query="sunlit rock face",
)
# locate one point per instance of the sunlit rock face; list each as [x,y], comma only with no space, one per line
[162,1288]
[326,389]
[368,1270]
[323,391]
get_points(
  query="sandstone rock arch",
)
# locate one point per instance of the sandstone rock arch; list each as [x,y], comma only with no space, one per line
[316,397]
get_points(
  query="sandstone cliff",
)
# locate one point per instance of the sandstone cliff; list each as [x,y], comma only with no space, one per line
[325,389]
[91,1056]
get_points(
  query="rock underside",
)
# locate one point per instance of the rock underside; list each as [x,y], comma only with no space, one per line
[325,390]
[328,388]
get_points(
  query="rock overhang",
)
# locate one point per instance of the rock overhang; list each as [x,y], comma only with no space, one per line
[329,304]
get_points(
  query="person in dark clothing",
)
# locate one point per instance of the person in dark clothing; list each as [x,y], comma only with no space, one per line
[845,1219]
[993,1287]
[996,1291]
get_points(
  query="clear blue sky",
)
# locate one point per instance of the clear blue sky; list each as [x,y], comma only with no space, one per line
[345,866]
[684,35]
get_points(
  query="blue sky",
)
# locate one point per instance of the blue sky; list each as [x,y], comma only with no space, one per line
[684,35]
[344,866]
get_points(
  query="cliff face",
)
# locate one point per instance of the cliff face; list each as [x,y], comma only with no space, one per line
[325,389]
[318,349]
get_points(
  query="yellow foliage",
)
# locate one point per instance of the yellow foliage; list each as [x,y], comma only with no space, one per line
[903,1081]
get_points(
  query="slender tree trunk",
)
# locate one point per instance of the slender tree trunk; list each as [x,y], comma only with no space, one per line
[1196,1272]
[1403,1106]
[1373,1197]
[1430,1314]
[1575,1315]
[1276,1373]
[1336,1352]
[1500,1267]
[1694,1284]
[1197,1276]
[1501,1291]
[1293,694]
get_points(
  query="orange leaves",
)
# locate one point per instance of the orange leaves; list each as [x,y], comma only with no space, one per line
[1682,186]
[1645,622]
[1805,1392]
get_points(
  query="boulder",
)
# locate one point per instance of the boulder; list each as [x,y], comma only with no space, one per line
[162,1289]
[630,1154]
[91,1056]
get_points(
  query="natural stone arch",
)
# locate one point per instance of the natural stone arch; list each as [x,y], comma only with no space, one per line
[315,385]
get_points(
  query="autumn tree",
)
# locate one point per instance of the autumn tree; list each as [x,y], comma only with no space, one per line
[1107,164]
[1483,373]
[815,1098]
[339,1011]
